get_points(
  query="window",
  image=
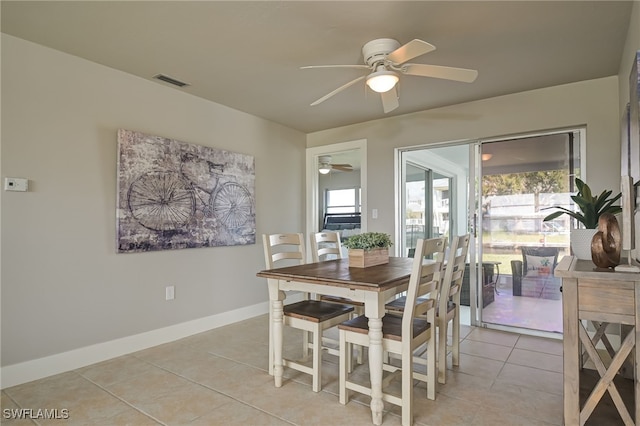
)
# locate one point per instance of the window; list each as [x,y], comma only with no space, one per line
[342,200]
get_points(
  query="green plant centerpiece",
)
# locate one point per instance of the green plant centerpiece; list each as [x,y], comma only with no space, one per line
[368,241]
[591,209]
[368,249]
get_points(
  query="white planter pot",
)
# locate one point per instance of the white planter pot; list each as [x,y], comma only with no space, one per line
[581,242]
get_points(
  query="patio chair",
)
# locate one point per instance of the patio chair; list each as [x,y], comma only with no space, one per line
[533,275]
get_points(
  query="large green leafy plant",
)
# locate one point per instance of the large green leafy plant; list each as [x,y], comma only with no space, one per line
[591,207]
[368,241]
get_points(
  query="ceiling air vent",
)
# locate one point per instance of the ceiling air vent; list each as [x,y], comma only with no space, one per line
[170,80]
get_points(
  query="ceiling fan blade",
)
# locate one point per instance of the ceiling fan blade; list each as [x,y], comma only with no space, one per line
[342,167]
[339,89]
[437,71]
[390,100]
[409,51]
[364,67]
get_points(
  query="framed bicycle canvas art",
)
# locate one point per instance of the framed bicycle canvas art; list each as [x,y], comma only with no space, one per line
[174,195]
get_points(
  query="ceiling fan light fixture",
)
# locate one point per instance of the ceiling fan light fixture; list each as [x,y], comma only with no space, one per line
[324,168]
[382,81]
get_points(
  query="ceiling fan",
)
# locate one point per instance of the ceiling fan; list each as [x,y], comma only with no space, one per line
[325,166]
[386,59]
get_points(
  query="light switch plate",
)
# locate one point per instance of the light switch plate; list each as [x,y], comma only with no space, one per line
[16,184]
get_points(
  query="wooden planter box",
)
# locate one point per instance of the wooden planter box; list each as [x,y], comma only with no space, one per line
[359,258]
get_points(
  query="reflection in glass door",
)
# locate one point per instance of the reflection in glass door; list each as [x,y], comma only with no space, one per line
[426,205]
[520,178]
[426,212]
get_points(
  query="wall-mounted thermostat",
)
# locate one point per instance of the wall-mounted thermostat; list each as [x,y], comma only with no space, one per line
[16,184]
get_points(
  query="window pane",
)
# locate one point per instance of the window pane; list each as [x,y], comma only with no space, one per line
[341,197]
[340,210]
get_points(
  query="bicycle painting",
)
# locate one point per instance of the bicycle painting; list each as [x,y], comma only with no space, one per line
[173,195]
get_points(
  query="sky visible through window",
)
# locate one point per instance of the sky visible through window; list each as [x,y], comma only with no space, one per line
[342,201]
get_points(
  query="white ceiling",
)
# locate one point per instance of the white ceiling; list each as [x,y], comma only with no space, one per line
[247,55]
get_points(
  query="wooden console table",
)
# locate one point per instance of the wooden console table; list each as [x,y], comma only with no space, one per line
[598,297]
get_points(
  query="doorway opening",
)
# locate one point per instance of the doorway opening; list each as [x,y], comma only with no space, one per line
[337,197]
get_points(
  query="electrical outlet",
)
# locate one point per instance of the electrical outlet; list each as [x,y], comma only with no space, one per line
[170,292]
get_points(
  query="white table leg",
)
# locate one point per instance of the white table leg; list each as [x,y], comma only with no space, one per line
[375,368]
[270,337]
[277,334]
[276,339]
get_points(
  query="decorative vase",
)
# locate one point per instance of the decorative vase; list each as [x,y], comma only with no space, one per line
[581,242]
[359,258]
[607,242]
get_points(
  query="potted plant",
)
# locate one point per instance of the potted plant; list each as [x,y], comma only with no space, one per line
[591,208]
[368,249]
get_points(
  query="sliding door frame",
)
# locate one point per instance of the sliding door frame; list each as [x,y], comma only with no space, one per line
[581,133]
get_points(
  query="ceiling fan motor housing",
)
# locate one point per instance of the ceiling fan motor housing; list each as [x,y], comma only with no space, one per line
[377,50]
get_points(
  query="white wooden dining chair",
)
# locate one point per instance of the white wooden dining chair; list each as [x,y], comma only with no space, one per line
[448,310]
[401,335]
[326,245]
[310,316]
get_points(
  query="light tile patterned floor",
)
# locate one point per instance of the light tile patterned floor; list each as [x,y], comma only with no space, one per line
[220,378]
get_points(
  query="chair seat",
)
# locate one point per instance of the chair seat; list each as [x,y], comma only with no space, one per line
[391,326]
[315,310]
[343,300]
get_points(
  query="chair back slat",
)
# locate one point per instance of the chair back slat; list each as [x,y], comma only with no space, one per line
[423,307]
[324,244]
[454,270]
[281,247]
[456,278]
[425,275]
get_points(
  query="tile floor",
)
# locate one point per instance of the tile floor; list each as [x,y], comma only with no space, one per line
[220,378]
[533,313]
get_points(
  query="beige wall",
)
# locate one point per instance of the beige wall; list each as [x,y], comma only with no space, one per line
[63,285]
[593,104]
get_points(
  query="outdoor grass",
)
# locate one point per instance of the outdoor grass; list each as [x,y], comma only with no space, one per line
[512,239]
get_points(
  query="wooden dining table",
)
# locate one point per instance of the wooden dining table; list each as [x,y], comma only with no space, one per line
[373,286]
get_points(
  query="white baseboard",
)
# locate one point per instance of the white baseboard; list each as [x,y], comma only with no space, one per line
[28,371]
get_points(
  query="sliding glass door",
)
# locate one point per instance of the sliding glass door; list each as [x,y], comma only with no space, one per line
[498,190]
[520,179]
[434,199]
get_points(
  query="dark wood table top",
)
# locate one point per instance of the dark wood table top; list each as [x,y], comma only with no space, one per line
[338,273]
